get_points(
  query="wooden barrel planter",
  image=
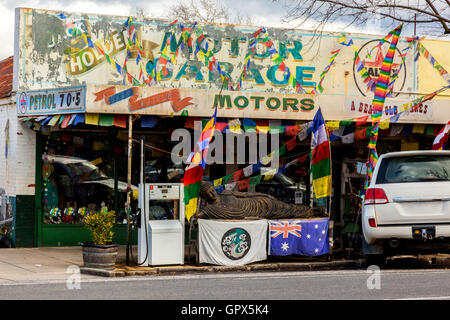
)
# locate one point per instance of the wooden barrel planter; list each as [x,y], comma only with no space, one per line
[100,256]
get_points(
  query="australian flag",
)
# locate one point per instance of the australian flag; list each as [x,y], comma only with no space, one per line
[301,237]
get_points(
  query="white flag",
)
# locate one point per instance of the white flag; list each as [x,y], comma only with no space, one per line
[304,133]
[248,171]
[232,243]
[348,138]
[396,129]
[230,186]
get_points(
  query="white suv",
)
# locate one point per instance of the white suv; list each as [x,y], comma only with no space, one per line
[406,207]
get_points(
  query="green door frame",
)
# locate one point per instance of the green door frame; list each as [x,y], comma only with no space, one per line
[38,237]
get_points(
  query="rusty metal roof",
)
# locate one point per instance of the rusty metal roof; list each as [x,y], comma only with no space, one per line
[6,76]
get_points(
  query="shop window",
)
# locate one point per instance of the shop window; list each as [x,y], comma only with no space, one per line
[82,173]
[158,165]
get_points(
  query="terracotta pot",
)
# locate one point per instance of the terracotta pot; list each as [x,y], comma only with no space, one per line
[100,256]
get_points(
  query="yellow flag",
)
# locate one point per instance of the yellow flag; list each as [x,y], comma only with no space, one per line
[267,159]
[405,106]
[418,128]
[262,129]
[201,55]
[196,158]
[322,186]
[384,124]
[168,116]
[218,182]
[96,161]
[53,120]
[332,125]
[91,118]
[234,126]
[269,174]
[190,208]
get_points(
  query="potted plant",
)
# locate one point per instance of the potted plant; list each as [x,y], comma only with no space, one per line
[101,252]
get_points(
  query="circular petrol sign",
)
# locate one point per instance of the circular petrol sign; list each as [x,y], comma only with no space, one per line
[23,103]
[371,56]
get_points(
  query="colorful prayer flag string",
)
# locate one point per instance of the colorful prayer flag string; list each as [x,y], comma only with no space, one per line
[380,96]
[427,55]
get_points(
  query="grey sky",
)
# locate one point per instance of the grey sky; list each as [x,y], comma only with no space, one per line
[263,13]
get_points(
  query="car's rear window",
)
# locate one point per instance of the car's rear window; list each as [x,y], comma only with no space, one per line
[417,168]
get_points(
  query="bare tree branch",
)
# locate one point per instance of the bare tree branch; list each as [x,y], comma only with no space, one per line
[207,12]
[443,21]
[428,13]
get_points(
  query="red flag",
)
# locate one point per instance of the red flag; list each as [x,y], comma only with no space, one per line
[257,32]
[291,143]
[441,137]
[66,120]
[360,134]
[120,120]
[292,130]
[243,184]
[238,175]
[361,121]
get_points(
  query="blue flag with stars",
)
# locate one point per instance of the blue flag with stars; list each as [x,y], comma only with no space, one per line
[299,237]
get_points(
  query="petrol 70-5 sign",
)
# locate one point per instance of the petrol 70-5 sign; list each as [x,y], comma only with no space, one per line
[52,101]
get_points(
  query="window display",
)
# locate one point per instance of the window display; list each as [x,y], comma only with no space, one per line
[82,173]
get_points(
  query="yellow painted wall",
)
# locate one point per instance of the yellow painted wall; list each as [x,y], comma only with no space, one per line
[429,78]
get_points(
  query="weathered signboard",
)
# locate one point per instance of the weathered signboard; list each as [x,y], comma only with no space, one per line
[52,101]
[241,104]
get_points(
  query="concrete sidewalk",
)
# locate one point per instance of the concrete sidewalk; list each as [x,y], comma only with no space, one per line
[20,265]
[27,265]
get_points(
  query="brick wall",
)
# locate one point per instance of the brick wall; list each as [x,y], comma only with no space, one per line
[17,170]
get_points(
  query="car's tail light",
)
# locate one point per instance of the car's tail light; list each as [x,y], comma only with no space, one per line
[375,196]
[372,222]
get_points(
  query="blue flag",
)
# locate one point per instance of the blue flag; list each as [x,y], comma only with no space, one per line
[148,121]
[301,237]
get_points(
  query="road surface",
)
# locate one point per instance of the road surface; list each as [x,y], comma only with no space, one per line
[419,284]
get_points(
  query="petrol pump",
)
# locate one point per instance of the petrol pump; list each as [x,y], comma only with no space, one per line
[161,232]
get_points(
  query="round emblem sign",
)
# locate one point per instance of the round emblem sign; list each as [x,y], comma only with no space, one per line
[23,103]
[372,56]
[236,243]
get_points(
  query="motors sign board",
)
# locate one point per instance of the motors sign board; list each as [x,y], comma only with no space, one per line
[257,105]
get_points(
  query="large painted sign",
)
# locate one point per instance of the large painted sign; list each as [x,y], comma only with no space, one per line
[56,49]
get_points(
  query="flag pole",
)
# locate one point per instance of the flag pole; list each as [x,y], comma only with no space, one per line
[311,191]
[331,170]
[128,209]
[331,173]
